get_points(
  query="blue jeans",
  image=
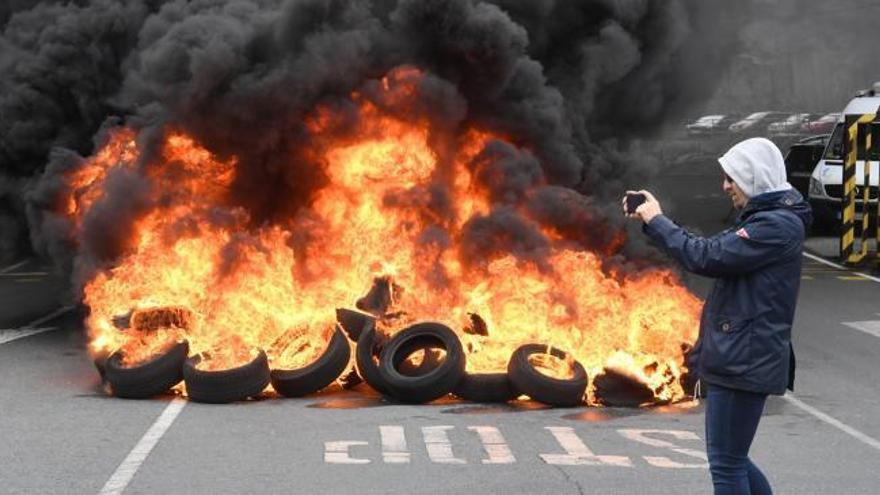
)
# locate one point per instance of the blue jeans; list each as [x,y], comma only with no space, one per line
[732,418]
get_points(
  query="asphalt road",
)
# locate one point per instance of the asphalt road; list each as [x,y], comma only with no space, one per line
[61,434]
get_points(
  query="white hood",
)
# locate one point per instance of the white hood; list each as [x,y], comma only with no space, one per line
[757,167]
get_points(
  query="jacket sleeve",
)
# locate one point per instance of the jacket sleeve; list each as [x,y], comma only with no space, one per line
[759,242]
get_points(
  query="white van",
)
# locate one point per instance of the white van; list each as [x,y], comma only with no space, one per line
[826,181]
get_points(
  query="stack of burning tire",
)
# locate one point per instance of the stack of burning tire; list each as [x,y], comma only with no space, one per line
[384,363]
[382,366]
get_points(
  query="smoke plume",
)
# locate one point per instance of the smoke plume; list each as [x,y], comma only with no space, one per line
[567,83]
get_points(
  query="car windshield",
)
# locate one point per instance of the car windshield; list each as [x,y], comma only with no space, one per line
[756,116]
[834,150]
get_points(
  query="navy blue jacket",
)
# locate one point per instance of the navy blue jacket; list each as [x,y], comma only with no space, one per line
[745,328]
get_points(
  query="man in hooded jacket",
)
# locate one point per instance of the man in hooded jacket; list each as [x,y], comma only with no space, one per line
[744,347]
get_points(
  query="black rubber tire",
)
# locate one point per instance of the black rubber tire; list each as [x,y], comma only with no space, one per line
[485,387]
[317,375]
[148,379]
[354,321]
[224,386]
[100,361]
[435,383]
[616,389]
[552,391]
[366,367]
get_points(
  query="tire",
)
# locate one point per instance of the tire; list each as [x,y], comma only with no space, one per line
[616,389]
[431,385]
[100,362]
[317,375]
[366,367]
[147,379]
[221,387]
[527,380]
[353,322]
[485,387]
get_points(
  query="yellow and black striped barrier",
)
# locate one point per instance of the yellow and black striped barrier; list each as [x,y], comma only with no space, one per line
[859,144]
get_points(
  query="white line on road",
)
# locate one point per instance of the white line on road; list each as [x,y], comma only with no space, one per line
[130,465]
[337,452]
[641,436]
[33,328]
[9,335]
[494,445]
[577,453]
[13,267]
[839,267]
[393,445]
[849,430]
[438,445]
[869,327]
[49,317]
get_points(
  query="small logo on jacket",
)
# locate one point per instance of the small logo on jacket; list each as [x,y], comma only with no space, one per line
[742,233]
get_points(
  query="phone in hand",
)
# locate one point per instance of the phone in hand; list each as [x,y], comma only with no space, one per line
[633,201]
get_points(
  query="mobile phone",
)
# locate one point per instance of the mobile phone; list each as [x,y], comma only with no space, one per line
[633,200]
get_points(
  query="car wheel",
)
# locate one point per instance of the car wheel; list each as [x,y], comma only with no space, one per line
[147,379]
[525,377]
[433,384]
[224,386]
[485,387]
[317,375]
[365,352]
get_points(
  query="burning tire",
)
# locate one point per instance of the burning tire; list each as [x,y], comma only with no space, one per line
[100,362]
[485,387]
[317,375]
[617,389]
[147,379]
[526,379]
[220,387]
[429,386]
[366,367]
[354,322]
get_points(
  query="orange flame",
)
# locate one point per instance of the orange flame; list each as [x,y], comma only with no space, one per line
[246,289]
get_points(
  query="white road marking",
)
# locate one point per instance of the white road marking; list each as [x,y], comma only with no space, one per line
[337,453]
[130,465]
[13,267]
[840,267]
[641,436]
[869,327]
[49,317]
[438,445]
[849,430]
[494,445]
[577,453]
[393,445]
[33,328]
[8,335]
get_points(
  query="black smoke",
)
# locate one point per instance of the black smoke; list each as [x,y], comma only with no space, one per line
[568,83]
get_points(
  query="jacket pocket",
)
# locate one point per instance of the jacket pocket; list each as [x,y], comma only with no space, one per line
[727,346]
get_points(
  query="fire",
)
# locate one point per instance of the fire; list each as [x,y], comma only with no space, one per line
[393,207]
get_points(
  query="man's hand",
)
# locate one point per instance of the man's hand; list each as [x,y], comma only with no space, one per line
[647,210]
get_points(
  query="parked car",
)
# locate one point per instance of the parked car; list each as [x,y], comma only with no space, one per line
[826,181]
[756,123]
[790,125]
[709,124]
[801,159]
[822,125]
